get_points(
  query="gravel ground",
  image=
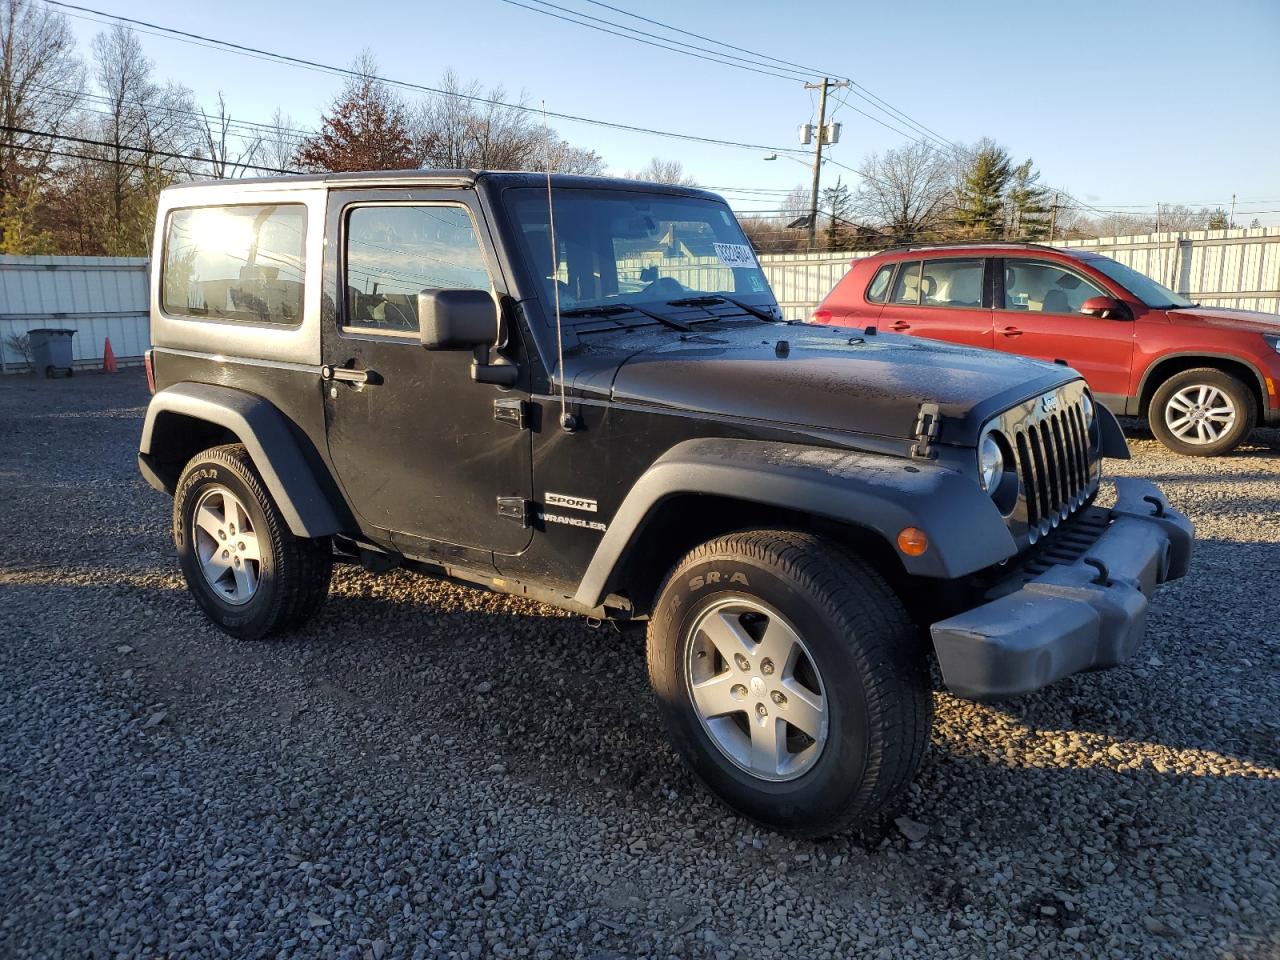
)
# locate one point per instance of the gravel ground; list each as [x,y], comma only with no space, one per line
[433,771]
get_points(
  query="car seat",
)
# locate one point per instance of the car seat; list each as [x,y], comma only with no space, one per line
[1055,301]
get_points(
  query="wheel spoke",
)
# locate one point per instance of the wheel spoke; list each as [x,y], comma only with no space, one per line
[209,522]
[803,709]
[214,564]
[768,745]
[1221,414]
[1180,403]
[250,549]
[1200,397]
[779,645]
[1181,426]
[727,635]
[714,697]
[246,580]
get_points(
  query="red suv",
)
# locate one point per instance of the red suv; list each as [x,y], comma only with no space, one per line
[1203,377]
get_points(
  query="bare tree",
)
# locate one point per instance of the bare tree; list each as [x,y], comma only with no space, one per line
[230,155]
[364,129]
[906,192]
[280,140]
[468,127]
[145,138]
[658,170]
[41,83]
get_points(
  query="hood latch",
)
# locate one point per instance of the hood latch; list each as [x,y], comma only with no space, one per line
[928,424]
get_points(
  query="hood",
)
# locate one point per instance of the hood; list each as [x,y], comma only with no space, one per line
[817,376]
[1253,320]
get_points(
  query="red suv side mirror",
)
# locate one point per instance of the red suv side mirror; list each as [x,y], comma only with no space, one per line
[1106,308]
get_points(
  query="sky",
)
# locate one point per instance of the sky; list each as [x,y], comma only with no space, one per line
[1122,103]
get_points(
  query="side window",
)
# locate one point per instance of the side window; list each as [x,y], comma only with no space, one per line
[236,263]
[952,283]
[1045,288]
[879,285]
[906,289]
[395,251]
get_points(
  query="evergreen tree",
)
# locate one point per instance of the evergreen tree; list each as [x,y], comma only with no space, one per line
[838,203]
[980,198]
[1028,204]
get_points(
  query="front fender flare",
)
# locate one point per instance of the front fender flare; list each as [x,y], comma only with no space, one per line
[877,492]
[270,440]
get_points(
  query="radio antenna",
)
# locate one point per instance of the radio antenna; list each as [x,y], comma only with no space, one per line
[566,421]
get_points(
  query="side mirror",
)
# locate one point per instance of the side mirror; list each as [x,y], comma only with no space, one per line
[1106,308]
[466,320]
[457,319]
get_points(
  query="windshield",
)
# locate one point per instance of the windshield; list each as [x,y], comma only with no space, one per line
[1144,288]
[616,247]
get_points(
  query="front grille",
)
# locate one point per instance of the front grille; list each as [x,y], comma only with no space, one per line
[1055,460]
[1053,457]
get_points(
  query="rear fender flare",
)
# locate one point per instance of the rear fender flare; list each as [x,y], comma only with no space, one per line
[880,493]
[270,440]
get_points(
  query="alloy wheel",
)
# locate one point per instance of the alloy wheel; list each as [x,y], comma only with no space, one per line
[227,546]
[1200,414]
[756,689]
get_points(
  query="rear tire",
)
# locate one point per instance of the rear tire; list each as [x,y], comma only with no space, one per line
[852,725]
[1202,413]
[246,570]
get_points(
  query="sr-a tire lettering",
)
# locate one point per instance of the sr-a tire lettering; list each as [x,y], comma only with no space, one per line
[715,577]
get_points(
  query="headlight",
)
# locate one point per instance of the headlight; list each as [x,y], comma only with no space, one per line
[1086,403]
[990,462]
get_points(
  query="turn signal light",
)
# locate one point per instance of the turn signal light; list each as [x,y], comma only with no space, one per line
[822,316]
[912,541]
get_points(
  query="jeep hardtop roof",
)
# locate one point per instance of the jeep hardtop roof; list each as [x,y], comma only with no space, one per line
[502,179]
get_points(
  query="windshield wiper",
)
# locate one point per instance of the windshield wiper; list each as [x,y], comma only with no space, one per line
[609,309]
[711,298]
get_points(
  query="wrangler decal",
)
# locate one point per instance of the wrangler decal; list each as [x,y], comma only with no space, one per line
[572,521]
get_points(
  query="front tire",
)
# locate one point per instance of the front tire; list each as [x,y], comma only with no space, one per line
[791,680]
[1202,413]
[246,570]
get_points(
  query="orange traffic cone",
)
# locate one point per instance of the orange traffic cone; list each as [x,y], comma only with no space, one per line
[108,357]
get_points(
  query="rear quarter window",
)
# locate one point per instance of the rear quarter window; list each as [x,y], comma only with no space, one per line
[245,263]
[878,288]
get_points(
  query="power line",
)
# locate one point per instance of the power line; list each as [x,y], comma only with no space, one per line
[149,151]
[858,90]
[261,54]
[697,52]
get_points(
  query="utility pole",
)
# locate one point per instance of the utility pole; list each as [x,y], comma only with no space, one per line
[1053,217]
[1231,220]
[820,135]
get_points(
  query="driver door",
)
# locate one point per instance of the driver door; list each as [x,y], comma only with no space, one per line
[416,447]
[1038,315]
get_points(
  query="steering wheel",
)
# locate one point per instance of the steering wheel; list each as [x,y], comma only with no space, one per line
[665,288]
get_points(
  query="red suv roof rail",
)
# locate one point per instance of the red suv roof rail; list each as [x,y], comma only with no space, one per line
[944,244]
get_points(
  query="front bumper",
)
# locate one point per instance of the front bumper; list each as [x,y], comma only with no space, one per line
[1086,614]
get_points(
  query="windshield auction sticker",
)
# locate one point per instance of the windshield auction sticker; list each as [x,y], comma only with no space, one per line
[735,255]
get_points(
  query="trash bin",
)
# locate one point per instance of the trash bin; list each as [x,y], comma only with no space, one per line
[51,351]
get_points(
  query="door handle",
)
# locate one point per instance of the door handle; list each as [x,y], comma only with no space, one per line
[901,325]
[329,372]
[1011,332]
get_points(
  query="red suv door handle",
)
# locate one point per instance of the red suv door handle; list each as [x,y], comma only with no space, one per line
[901,325]
[1011,332]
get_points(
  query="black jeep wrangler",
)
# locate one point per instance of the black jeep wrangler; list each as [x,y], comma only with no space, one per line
[582,391]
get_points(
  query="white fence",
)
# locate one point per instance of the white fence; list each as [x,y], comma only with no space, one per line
[1239,269]
[102,297]
[98,297]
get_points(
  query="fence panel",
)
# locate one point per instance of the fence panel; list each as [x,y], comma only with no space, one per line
[98,297]
[1236,269]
